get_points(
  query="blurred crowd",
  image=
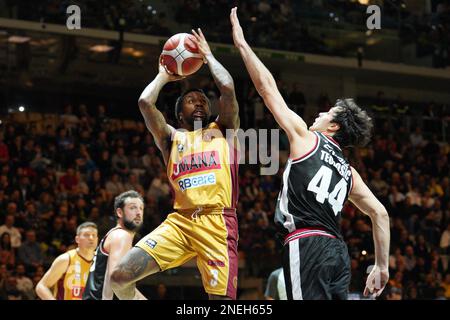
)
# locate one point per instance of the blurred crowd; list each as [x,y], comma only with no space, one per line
[267,23]
[60,171]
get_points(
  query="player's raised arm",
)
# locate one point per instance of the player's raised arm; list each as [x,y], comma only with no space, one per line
[154,119]
[228,106]
[365,200]
[56,271]
[265,84]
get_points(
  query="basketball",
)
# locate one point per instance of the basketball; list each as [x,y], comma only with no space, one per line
[180,55]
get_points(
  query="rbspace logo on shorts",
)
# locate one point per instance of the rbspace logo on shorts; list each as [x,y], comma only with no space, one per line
[151,243]
[197,181]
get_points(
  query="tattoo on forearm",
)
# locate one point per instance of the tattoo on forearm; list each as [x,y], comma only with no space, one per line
[157,125]
[220,74]
[135,265]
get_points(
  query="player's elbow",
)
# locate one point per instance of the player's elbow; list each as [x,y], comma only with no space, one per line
[227,87]
[383,212]
[39,290]
[380,213]
[143,104]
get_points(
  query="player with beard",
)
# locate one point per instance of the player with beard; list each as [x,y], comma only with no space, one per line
[129,208]
[202,162]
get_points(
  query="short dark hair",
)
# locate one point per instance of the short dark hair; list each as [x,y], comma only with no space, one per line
[85,225]
[355,124]
[179,102]
[119,201]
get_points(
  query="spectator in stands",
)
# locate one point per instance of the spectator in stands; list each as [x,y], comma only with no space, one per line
[16,237]
[297,100]
[133,183]
[7,254]
[68,118]
[24,283]
[4,152]
[30,253]
[159,187]
[394,293]
[3,279]
[162,292]
[69,180]
[409,258]
[115,186]
[95,182]
[257,213]
[120,163]
[416,138]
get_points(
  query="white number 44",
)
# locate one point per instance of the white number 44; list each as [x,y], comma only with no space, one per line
[320,184]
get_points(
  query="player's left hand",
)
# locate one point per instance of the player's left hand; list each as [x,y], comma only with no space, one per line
[238,33]
[202,44]
[168,76]
[376,282]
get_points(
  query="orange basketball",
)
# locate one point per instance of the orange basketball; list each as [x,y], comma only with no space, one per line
[180,55]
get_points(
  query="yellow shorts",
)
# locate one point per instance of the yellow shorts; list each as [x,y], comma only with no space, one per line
[210,235]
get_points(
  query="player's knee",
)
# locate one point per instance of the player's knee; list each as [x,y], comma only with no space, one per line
[119,280]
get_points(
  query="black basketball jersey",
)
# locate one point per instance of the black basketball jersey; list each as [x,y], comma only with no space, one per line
[97,285]
[314,189]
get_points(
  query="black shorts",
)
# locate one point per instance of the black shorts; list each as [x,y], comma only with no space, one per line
[316,266]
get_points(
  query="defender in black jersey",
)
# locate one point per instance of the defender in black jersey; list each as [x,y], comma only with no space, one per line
[316,183]
[128,207]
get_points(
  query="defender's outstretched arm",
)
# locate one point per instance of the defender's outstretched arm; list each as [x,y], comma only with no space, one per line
[265,84]
[365,200]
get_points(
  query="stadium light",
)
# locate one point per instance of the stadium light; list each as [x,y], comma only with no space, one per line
[21,108]
[101,48]
[18,40]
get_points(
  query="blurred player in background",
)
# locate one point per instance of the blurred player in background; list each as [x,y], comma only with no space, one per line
[317,181]
[69,272]
[202,166]
[129,210]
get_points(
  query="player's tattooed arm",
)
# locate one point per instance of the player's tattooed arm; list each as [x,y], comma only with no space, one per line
[154,119]
[157,125]
[134,266]
[228,106]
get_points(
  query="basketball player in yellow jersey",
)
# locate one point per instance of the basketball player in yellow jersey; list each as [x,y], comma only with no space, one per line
[69,272]
[202,162]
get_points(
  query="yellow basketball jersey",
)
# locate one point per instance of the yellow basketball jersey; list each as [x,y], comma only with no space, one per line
[72,283]
[203,169]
